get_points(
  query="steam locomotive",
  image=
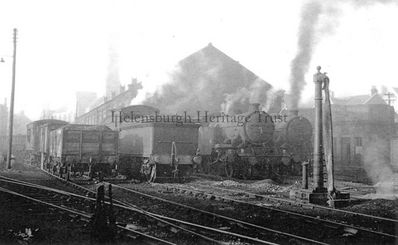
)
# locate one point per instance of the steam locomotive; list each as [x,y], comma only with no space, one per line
[262,145]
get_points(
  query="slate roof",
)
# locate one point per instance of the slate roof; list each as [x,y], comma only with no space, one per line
[359,100]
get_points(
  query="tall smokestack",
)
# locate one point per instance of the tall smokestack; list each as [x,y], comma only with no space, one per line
[305,46]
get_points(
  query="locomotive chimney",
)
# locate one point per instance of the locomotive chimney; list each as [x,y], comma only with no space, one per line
[254,107]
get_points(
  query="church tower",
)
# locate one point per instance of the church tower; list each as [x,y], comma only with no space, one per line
[112,79]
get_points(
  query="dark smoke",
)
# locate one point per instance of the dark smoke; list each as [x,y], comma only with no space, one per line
[306,41]
[206,81]
[310,32]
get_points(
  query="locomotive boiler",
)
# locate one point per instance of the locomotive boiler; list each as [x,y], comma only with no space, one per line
[293,140]
[242,147]
[259,146]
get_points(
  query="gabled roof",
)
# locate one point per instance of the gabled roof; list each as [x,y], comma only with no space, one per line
[359,100]
[205,81]
[375,100]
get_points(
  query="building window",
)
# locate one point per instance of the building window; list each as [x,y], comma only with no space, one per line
[358,141]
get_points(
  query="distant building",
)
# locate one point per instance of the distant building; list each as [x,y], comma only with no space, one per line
[102,113]
[19,133]
[363,130]
[367,99]
[84,100]
[20,121]
[63,114]
[210,80]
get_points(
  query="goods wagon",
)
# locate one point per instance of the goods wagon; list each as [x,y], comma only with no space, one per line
[78,148]
[34,135]
[157,150]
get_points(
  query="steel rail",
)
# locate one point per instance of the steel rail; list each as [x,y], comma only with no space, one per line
[220,216]
[121,204]
[156,217]
[294,213]
[87,216]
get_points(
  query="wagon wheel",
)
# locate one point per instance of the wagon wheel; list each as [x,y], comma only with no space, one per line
[229,170]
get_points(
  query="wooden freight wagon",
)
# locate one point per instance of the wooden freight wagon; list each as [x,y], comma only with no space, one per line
[158,149]
[44,142]
[79,146]
[34,137]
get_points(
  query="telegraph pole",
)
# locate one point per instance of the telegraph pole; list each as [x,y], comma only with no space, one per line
[390,97]
[11,115]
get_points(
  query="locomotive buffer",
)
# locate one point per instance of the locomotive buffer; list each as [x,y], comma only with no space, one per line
[323,153]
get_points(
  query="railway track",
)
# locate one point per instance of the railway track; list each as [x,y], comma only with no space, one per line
[371,223]
[43,209]
[325,230]
[205,218]
[256,202]
[195,232]
[135,199]
[199,219]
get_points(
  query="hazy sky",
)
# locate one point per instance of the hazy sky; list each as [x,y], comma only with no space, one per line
[63,45]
